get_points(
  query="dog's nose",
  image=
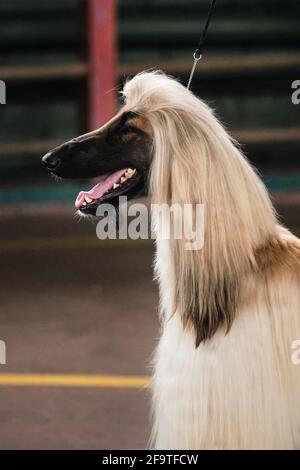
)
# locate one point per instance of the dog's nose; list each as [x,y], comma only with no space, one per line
[50,160]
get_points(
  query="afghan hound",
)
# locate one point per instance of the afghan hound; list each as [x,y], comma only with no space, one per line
[224,375]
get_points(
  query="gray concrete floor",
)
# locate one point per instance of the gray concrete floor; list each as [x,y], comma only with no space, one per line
[81,310]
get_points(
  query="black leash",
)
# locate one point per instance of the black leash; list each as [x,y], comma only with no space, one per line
[198,52]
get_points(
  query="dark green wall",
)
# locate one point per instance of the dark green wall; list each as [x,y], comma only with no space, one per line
[41,32]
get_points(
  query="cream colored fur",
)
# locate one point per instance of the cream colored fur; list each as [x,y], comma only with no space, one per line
[238,390]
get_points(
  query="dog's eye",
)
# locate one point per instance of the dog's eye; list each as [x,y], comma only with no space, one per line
[125,125]
[130,115]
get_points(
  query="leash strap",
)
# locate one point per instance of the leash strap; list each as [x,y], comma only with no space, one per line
[198,52]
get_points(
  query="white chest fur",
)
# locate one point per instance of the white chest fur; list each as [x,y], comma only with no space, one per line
[239,391]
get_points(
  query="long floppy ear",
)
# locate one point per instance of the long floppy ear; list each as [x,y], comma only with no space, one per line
[195,161]
[205,289]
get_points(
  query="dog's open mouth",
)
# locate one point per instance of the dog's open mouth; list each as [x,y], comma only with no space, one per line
[109,187]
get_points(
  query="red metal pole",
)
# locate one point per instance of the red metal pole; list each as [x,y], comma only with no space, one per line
[102,61]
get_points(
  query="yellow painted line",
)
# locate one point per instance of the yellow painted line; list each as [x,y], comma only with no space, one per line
[63,243]
[70,380]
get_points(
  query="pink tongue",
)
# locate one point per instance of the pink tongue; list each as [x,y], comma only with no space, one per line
[101,188]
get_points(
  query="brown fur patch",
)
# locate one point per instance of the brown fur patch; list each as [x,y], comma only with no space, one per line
[216,311]
[141,123]
[204,308]
[278,253]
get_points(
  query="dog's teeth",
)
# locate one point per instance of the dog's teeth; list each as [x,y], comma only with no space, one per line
[116,185]
[129,173]
[88,199]
[123,179]
[84,203]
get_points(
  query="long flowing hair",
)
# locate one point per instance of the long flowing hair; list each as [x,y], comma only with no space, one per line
[196,161]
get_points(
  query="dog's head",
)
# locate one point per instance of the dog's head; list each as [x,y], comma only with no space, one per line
[118,154]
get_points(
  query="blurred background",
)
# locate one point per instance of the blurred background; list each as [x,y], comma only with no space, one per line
[79,316]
